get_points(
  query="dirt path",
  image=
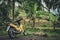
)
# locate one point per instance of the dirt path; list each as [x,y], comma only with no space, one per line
[30,38]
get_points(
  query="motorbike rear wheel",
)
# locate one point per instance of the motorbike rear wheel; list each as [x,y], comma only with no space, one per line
[11,33]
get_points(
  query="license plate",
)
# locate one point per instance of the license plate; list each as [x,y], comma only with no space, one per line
[8,28]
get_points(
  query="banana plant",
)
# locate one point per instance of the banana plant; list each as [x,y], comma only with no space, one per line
[34,13]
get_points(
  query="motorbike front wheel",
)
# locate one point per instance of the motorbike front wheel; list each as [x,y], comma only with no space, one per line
[11,33]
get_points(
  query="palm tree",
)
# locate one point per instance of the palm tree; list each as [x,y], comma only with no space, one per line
[13,8]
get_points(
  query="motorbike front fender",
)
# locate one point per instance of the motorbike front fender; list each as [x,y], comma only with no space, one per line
[8,28]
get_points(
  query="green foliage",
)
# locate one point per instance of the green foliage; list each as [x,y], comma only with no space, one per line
[3,33]
[46,25]
[26,6]
[17,12]
[52,17]
[40,13]
[35,8]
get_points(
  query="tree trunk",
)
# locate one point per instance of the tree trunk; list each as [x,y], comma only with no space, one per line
[54,25]
[13,8]
[38,22]
[33,19]
[49,10]
[33,22]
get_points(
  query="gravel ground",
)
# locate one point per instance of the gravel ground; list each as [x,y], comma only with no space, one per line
[30,38]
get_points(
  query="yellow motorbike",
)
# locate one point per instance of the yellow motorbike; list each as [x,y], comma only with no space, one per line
[13,29]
